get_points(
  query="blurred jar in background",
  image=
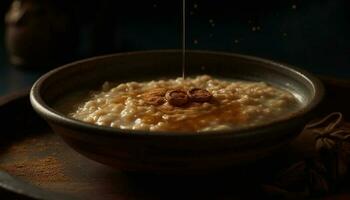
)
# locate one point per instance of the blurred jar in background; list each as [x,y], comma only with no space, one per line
[40,34]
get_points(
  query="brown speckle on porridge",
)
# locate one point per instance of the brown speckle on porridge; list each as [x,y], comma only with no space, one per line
[197,104]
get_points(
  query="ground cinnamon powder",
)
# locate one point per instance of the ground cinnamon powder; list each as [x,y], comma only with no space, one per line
[39,171]
[31,160]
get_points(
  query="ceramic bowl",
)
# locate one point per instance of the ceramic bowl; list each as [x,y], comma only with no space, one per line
[146,151]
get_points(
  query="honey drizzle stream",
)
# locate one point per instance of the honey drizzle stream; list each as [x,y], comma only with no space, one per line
[183,38]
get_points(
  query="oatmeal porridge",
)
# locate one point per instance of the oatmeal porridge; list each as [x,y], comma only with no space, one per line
[197,104]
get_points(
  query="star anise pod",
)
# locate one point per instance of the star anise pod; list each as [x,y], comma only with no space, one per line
[325,130]
[332,143]
[291,177]
[324,144]
[317,183]
[304,178]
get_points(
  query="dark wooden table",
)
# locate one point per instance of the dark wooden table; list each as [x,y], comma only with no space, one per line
[51,170]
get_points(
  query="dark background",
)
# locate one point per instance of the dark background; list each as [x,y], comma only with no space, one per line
[312,34]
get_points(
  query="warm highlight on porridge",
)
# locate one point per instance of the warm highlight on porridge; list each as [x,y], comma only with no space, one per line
[202,103]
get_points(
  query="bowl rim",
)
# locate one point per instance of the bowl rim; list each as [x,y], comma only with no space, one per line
[49,113]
